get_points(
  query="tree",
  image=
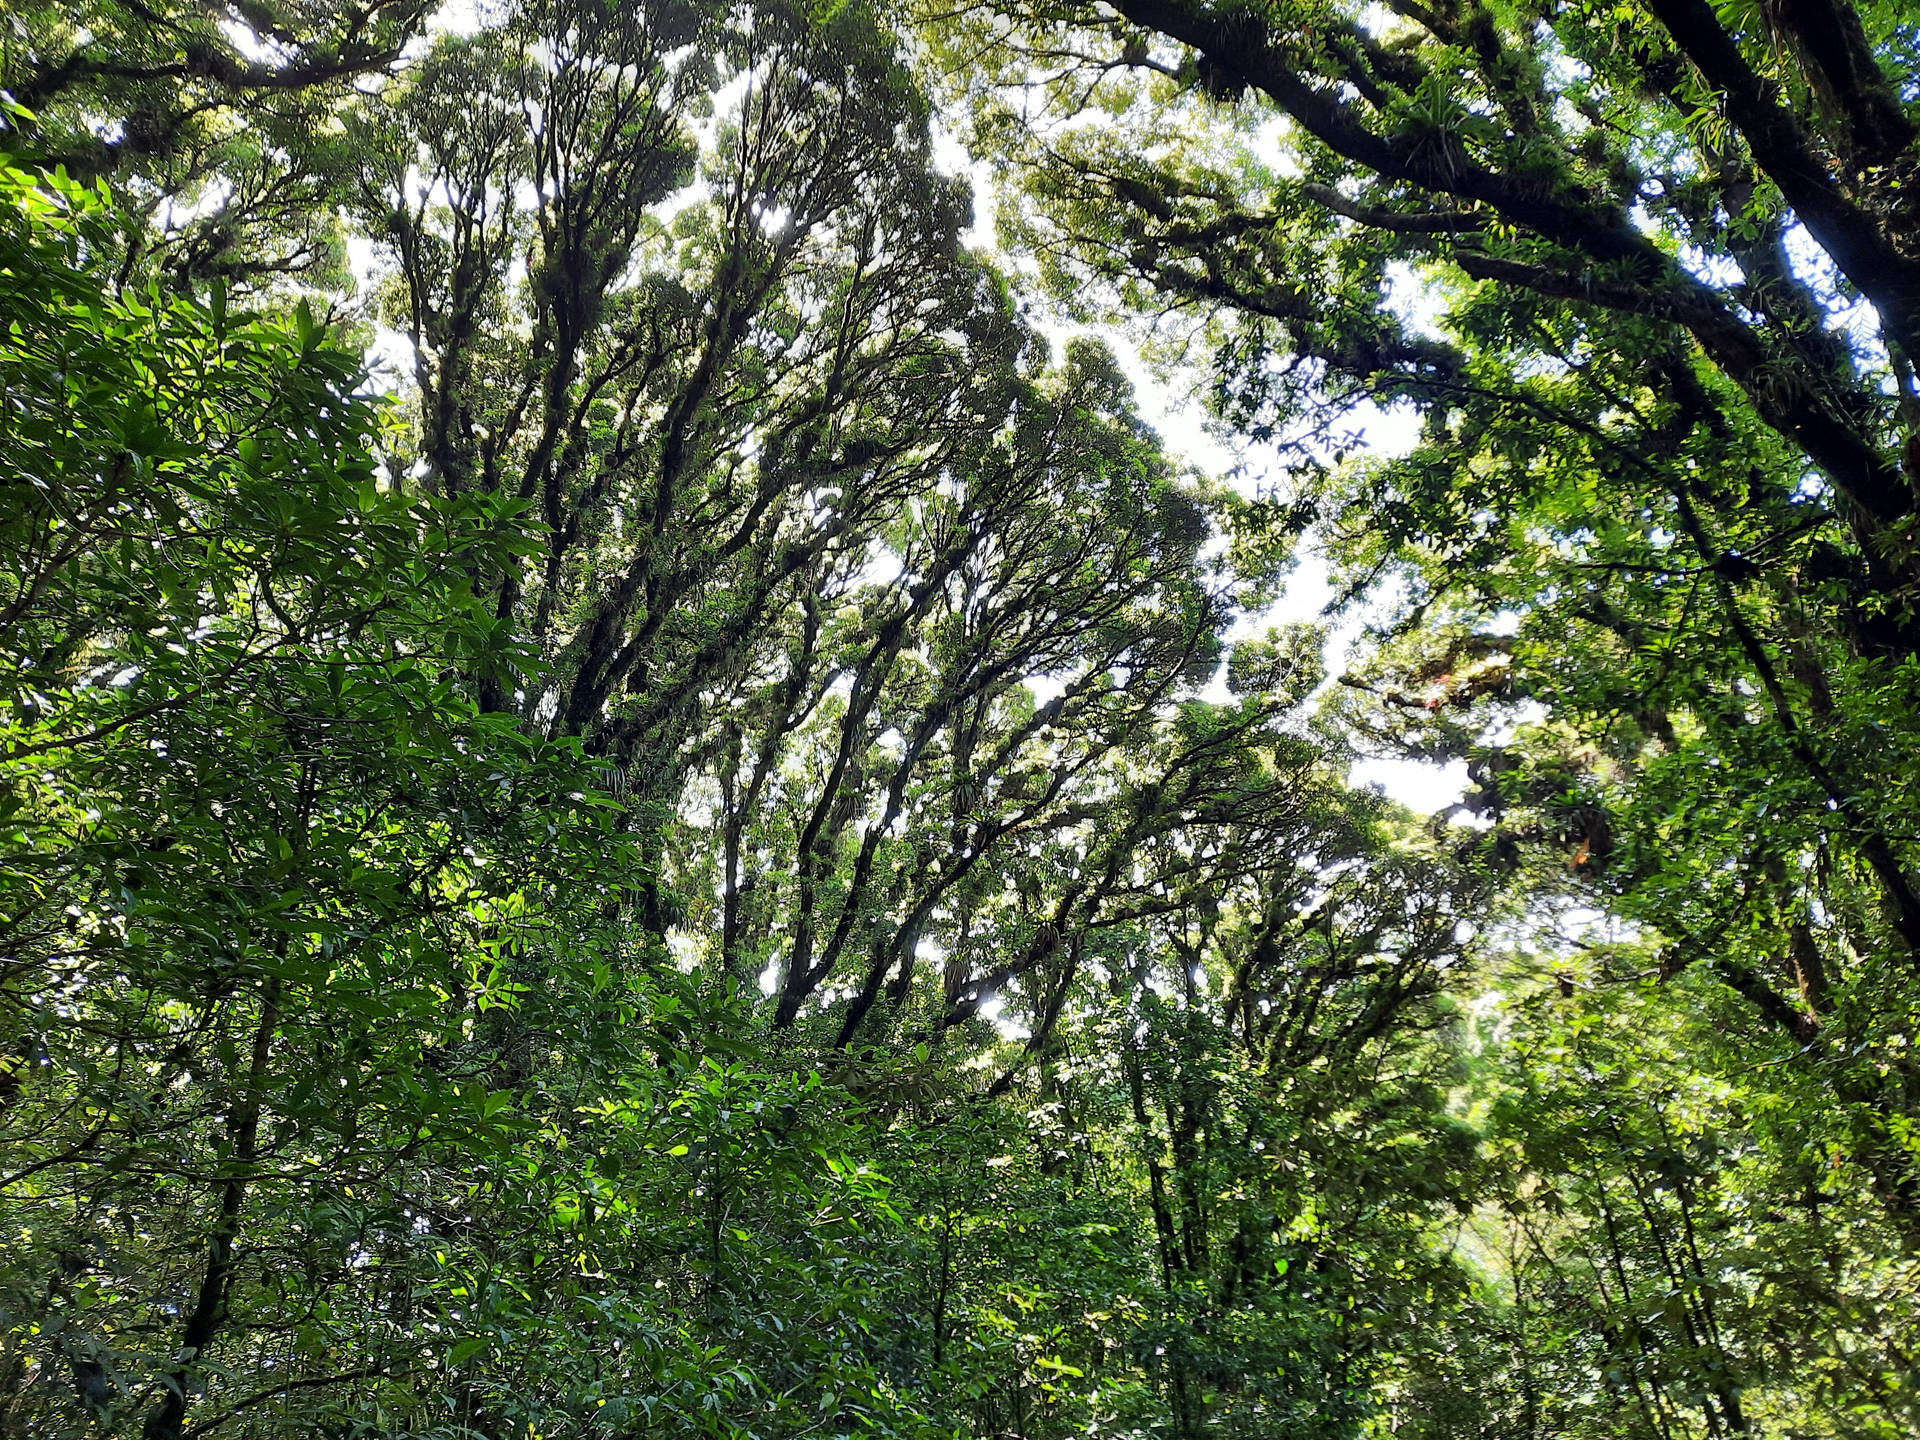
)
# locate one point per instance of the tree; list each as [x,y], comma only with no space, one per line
[1663,408]
[730,860]
[318,889]
[217,123]
[265,868]
[1649,541]
[812,510]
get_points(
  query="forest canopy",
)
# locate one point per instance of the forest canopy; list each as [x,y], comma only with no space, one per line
[637,799]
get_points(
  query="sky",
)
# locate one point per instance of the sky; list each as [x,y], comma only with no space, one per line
[1183,424]
[1180,419]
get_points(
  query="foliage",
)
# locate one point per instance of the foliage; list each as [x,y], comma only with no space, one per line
[715,843]
[1641,279]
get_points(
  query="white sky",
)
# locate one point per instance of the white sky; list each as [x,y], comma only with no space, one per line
[1183,424]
